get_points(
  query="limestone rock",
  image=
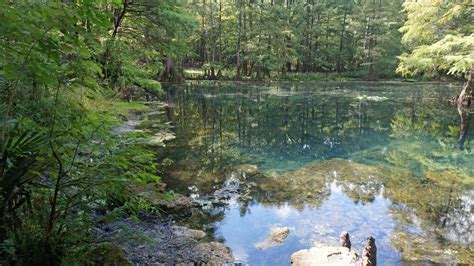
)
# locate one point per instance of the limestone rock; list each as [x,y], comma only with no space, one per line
[155,193]
[276,237]
[325,255]
[179,204]
[181,231]
[214,253]
[154,241]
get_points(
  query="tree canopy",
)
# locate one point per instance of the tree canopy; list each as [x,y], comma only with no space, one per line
[277,37]
[439,37]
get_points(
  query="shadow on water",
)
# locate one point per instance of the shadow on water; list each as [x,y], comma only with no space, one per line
[389,160]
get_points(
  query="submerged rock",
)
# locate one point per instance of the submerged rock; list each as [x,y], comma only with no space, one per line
[311,184]
[325,255]
[276,237]
[249,169]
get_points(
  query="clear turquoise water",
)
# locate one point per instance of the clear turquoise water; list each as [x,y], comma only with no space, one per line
[408,128]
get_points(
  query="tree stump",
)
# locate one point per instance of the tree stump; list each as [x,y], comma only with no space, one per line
[369,256]
[344,240]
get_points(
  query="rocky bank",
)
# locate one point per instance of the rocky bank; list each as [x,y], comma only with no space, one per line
[151,241]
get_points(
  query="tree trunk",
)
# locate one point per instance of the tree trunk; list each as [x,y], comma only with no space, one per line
[119,14]
[219,57]
[202,49]
[212,38]
[464,99]
[341,42]
[465,120]
[369,46]
[239,39]
[371,72]
[170,74]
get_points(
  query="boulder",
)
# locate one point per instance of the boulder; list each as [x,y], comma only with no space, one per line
[276,237]
[156,194]
[179,205]
[325,255]
[213,253]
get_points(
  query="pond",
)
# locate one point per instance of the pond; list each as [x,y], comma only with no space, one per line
[380,159]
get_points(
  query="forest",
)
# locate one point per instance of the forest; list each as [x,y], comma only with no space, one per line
[115,112]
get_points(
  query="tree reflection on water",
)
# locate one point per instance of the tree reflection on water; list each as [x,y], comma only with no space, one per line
[402,142]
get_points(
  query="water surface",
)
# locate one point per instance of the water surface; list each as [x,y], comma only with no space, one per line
[380,159]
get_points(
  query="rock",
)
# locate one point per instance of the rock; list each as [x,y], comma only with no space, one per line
[214,253]
[123,117]
[181,231]
[249,169]
[276,237]
[153,241]
[178,204]
[344,239]
[325,255]
[372,98]
[246,197]
[160,187]
[160,137]
[369,256]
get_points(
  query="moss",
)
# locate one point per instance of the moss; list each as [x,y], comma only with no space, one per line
[311,183]
[108,254]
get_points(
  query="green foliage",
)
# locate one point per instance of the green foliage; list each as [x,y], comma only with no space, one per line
[145,33]
[59,160]
[439,36]
[107,254]
[61,61]
[326,76]
[127,68]
[274,38]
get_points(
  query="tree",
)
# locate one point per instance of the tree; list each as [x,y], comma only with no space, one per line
[440,38]
[156,30]
[59,61]
[274,38]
